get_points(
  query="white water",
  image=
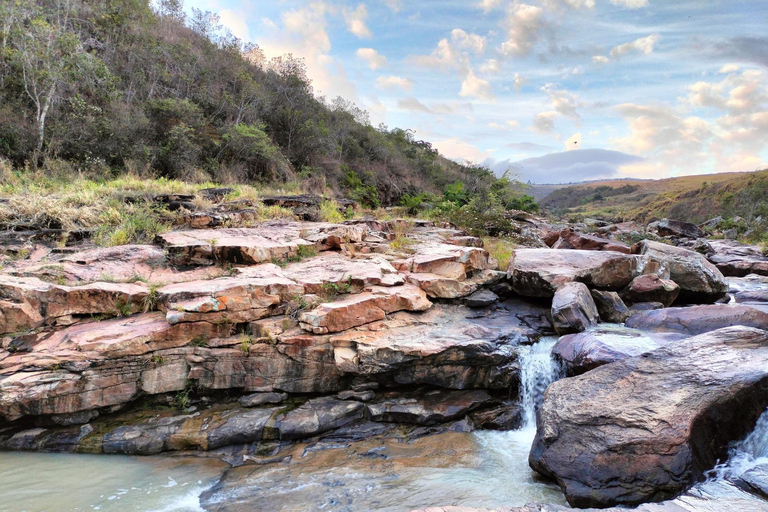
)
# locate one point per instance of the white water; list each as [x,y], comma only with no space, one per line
[746,454]
[538,370]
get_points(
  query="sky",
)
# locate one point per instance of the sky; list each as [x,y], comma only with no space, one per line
[555,90]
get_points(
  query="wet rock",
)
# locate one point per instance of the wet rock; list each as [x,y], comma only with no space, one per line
[570,239]
[644,306]
[481,299]
[585,351]
[573,309]
[755,480]
[645,428]
[698,319]
[610,307]
[751,297]
[736,259]
[362,308]
[257,399]
[317,416]
[431,408]
[698,279]
[651,288]
[669,227]
[239,428]
[540,272]
[503,417]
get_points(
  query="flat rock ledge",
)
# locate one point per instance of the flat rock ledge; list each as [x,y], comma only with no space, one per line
[646,428]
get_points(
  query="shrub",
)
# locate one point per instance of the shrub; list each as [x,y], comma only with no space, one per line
[329,211]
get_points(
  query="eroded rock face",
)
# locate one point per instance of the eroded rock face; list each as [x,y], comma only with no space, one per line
[736,259]
[651,288]
[570,239]
[645,428]
[698,319]
[699,280]
[573,309]
[429,409]
[670,227]
[610,306]
[540,272]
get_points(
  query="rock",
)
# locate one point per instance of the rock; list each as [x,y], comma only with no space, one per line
[651,288]
[573,309]
[360,396]
[755,480]
[446,260]
[698,319]
[239,428]
[441,287]
[698,279]
[570,239]
[216,194]
[539,272]
[363,308]
[645,428]
[316,416]
[481,299]
[736,259]
[257,399]
[751,297]
[315,274]
[669,227]
[429,409]
[610,307]
[644,306]
[503,417]
[588,350]
[731,234]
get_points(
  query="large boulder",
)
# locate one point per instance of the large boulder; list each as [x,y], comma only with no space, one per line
[646,428]
[429,409]
[699,280]
[676,228]
[736,259]
[570,239]
[585,351]
[651,288]
[540,272]
[698,319]
[610,306]
[573,309]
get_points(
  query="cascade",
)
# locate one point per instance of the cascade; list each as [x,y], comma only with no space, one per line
[538,369]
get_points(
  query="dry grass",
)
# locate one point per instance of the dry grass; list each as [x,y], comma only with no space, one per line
[500,250]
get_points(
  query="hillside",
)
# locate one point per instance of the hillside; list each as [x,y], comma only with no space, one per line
[98,89]
[688,198]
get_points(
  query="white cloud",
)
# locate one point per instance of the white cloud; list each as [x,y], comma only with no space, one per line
[573,4]
[522,25]
[600,59]
[374,59]
[393,4]
[513,124]
[643,45]
[443,57]
[474,87]
[414,105]
[729,68]
[490,67]
[472,42]
[631,4]
[459,150]
[235,22]
[563,101]
[519,81]
[573,142]
[507,125]
[309,25]
[394,82]
[356,21]
[489,5]
[544,122]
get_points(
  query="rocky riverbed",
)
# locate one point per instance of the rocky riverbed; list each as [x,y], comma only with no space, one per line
[286,348]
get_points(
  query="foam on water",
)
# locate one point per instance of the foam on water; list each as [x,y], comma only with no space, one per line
[538,370]
[746,454]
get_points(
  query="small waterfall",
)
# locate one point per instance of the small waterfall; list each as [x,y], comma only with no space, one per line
[538,369]
[746,454]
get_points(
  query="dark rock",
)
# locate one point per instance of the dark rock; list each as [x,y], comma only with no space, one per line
[644,306]
[651,288]
[570,239]
[573,309]
[429,409]
[257,399]
[698,319]
[360,396]
[503,417]
[735,259]
[646,428]
[669,227]
[502,289]
[216,194]
[585,351]
[78,418]
[240,428]
[481,299]
[610,307]
[317,416]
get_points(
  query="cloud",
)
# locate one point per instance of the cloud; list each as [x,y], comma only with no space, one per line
[414,105]
[474,87]
[544,122]
[394,82]
[562,101]
[393,4]
[490,67]
[738,93]
[235,22]
[309,24]
[518,81]
[745,49]
[528,146]
[356,21]
[459,150]
[375,59]
[573,166]
[489,5]
[573,142]
[643,45]
[472,42]
[511,124]
[522,25]
[729,68]
[631,4]
[600,59]
[444,57]
[572,4]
